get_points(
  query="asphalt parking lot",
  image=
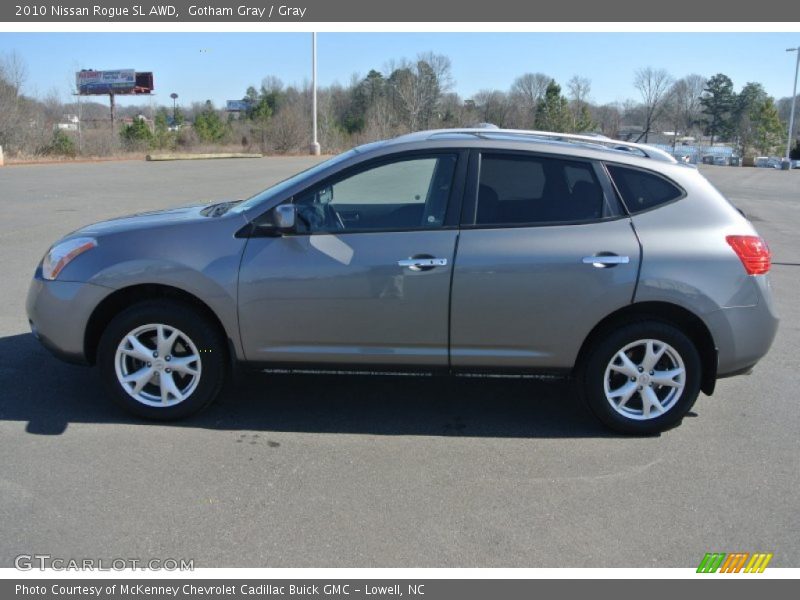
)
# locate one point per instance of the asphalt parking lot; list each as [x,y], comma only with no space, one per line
[323,471]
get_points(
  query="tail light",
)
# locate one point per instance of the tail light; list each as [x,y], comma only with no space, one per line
[752,251]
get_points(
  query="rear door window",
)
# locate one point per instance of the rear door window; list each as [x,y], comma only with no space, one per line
[515,189]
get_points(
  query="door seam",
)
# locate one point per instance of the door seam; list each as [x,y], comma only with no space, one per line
[450,304]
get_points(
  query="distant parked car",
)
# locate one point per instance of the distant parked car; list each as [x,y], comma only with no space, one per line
[767,162]
[457,251]
[714,159]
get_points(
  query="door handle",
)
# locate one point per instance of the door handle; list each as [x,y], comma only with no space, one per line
[422,264]
[603,261]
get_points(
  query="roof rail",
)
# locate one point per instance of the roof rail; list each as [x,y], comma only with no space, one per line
[597,141]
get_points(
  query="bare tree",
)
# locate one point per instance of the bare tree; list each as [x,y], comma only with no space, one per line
[288,128]
[331,136]
[379,123]
[417,88]
[682,107]
[442,69]
[526,93]
[14,71]
[674,110]
[696,85]
[578,89]
[492,107]
[608,118]
[653,85]
[271,85]
[530,87]
[14,110]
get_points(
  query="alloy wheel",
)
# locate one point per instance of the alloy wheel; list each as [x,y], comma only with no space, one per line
[644,379]
[158,365]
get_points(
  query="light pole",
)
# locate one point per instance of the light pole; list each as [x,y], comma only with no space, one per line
[794,100]
[174,97]
[315,148]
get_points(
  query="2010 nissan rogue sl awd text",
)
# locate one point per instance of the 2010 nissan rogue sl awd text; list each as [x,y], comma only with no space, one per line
[462,251]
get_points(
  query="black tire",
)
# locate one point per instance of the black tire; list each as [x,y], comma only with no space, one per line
[205,336]
[591,378]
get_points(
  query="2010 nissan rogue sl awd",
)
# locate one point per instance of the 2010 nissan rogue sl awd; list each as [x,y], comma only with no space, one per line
[463,251]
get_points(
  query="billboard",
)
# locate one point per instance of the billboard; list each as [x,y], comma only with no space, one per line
[238,105]
[120,81]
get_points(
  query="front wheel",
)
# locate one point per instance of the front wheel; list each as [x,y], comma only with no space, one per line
[162,360]
[642,378]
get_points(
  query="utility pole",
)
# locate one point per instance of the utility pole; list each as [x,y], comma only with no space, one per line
[315,147]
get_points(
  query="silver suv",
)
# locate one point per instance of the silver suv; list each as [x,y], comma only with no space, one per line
[461,251]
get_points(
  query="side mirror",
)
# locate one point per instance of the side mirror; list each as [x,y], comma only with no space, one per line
[284,217]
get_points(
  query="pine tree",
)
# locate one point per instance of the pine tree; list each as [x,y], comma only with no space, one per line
[209,126]
[718,103]
[137,135]
[552,113]
[583,120]
[745,115]
[769,129]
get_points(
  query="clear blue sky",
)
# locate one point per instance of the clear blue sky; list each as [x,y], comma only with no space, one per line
[220,66]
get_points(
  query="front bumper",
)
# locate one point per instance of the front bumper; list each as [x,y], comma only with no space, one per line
[58,313]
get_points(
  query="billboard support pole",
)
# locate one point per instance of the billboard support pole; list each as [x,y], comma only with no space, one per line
[80,124]
[111,97]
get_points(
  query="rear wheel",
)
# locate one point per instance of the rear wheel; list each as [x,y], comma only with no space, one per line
[642,378]
[162,360]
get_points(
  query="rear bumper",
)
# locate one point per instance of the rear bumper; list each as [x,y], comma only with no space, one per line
[58,312]
[743,335]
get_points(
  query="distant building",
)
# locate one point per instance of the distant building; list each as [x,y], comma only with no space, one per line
[129,121]
[630,133]
[68,123]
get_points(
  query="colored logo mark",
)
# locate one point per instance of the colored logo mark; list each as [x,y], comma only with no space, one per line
[736,562]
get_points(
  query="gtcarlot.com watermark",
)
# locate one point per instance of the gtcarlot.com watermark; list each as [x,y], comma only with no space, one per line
[46,562]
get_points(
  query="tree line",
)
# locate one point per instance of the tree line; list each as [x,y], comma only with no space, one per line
[406,95]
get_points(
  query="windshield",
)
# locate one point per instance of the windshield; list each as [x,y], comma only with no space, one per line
[287,183]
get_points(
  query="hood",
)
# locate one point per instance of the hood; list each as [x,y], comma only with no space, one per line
[151,219]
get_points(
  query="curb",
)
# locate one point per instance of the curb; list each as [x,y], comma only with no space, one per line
[160,157]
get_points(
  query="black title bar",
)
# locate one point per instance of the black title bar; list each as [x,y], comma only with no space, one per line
[468,11]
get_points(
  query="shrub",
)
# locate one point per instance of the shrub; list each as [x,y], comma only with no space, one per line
[208,125]
[137,135]
[60,145]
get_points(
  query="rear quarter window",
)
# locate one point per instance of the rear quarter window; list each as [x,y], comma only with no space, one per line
[642,190]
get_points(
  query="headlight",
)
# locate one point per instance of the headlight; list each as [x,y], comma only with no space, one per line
[60,255]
